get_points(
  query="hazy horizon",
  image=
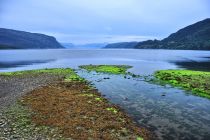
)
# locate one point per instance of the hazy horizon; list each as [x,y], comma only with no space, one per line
[85,21]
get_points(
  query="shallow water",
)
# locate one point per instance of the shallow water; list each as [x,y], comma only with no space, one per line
[144,61]
[177,115]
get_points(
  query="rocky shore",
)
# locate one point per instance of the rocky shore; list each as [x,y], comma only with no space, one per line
[58,104]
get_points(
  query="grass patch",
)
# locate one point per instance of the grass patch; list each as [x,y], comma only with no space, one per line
[111,69]
[196,81]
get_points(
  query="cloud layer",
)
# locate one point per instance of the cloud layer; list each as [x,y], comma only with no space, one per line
[81,21]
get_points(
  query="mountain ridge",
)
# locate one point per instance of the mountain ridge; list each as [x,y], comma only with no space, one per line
[121,45]
[193,37]
[14,39]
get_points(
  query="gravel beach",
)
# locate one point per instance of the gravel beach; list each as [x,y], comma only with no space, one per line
[13,87]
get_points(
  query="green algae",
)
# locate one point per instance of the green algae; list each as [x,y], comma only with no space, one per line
[69,74]
[72,76]
[139,138]
[98,99]
[112,109]
[110,69]
[196,81]
[93,95]
[56,71]
[88,95]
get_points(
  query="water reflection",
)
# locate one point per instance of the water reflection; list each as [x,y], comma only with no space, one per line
[13,64]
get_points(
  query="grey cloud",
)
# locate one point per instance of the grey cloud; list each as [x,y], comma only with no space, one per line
[101,17]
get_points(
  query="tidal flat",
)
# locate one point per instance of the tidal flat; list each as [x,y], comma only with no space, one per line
[169,112]
[65,106]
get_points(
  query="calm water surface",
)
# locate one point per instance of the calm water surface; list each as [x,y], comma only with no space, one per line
[177,115]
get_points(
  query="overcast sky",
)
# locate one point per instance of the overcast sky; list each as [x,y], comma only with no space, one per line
[91,21]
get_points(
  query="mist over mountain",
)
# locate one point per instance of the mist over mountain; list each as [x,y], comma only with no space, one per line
[84,46]
[68,45]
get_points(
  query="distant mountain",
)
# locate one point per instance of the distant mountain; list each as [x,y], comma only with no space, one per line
[68,45]
[84,46]
[193,37]
[91,46]
[121,45]
[13,39]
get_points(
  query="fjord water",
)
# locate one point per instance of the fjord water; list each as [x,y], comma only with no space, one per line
[170,113]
